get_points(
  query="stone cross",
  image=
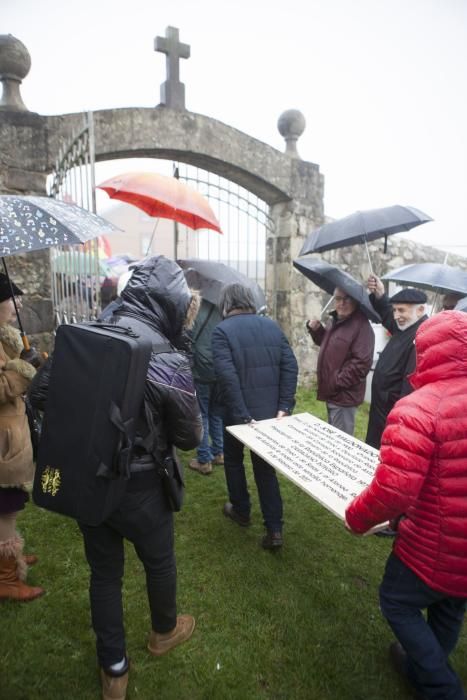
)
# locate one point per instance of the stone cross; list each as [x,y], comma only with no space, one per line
[172,91]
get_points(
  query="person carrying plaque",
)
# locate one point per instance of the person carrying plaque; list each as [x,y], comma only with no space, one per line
[257,374]
[420,484]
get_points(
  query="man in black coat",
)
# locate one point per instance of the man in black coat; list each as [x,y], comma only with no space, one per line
[401,316]
[157,304]
[257,373]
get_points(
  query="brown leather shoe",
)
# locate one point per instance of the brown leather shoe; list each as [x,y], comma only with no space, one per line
[230,512]
[272,540]
[30,559]
[218,459]
[114,687]
[162,643]
[204,468]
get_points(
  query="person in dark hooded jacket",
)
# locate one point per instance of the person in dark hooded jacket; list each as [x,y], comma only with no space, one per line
[157,304]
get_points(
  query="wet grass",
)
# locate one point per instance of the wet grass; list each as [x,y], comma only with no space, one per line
[302,623]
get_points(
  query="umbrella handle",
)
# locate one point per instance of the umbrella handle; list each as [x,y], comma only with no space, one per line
[25,340]
[326,306]
[369,257]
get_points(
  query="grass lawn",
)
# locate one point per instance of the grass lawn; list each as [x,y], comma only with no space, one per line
[302,623]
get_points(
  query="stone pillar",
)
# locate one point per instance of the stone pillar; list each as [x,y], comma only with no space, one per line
[295,298]
[23,170]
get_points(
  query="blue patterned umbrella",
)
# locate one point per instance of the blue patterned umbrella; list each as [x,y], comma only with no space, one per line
[32,223]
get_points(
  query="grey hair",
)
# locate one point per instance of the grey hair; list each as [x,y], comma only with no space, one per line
[193,309]
[236,297]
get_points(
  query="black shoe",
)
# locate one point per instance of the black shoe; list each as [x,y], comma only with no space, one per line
[272,540]
[386,532]
[230,512]
[398,657]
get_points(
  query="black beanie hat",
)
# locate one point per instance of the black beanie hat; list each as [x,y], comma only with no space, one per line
[409,296]
[5,289]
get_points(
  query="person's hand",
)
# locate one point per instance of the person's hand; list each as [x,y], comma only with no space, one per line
[281,414]
[313,325]
[349,529]
[375,286]
[31,356]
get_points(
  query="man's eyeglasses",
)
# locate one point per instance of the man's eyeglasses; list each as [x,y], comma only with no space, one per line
[344,300]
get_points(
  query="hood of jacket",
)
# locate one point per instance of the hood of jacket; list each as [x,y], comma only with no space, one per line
[441,347]
[157,294]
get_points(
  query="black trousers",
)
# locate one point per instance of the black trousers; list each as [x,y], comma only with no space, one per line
[144,519]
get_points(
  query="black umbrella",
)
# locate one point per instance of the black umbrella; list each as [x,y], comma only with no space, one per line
[436,277]
[328,277]
[33,223]
[209,277]
[363,226]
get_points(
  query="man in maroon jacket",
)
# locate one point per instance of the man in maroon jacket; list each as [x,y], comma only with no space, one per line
[345,356]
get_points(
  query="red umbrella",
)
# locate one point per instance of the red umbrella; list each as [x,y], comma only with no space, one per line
[162,196]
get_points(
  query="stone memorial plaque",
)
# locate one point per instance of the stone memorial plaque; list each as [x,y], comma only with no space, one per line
[329,465]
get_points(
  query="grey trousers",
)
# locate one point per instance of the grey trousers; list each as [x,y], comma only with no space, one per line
[342,417]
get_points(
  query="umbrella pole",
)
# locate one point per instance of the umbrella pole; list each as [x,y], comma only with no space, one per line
[175,240]
[24,337]
[328,304]
[149,248]
[369,259]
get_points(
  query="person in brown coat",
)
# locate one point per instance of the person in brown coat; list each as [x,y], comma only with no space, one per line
[346,348]
[16,461]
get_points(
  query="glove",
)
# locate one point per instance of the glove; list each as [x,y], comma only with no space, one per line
[31,356]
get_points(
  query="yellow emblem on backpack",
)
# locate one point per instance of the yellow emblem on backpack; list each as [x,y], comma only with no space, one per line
[51,481]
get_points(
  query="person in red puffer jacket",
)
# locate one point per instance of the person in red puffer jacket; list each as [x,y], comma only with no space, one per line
[421,481]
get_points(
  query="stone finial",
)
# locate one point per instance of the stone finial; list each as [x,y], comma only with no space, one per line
[15,63]
[172,91]
[291,125]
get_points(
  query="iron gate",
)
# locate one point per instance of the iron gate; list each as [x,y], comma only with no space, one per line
[78,275]
[245,222]
[77,271]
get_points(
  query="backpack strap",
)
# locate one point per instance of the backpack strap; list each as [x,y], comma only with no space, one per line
[204,324]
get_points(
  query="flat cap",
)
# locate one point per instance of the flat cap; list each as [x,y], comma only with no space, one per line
[409,296]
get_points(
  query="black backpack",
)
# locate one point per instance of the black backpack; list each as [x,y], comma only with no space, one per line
[94,400]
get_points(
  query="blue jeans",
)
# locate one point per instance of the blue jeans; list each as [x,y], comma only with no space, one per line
[144,519]
[266,483]
[212,426]
[428,643]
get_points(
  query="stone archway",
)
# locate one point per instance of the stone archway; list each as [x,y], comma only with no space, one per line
[292,188]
